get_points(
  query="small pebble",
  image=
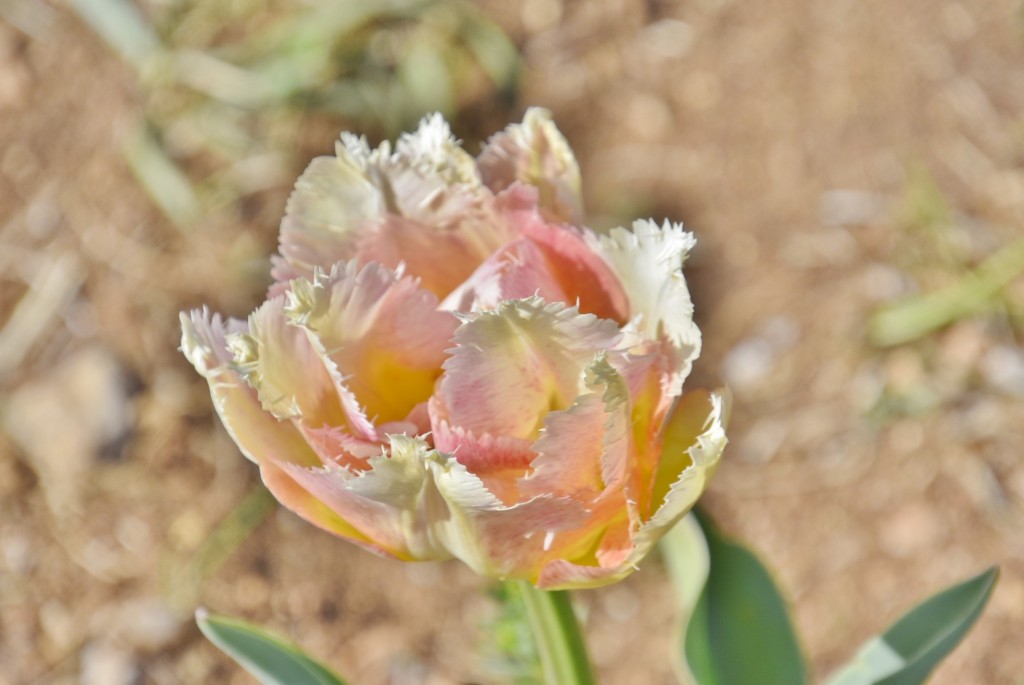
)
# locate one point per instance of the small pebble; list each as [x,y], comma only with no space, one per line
[850,207]
[1003,368]
[105,664]
[750,362]
[914,527]
[147,624]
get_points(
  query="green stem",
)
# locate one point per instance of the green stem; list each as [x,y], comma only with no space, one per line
[563,653]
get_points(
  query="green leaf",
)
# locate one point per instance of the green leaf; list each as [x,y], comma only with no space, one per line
[740,633]
[909,651]
[685,552]
[269,658]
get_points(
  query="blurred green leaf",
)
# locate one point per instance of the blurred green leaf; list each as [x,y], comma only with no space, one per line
[926,206]
[183,580]
[122,26]
[740,632]
[910,650]
[426,76]
[166,183]
[269,658]
[498,57]
[233,530]
[685,552]
[920,315]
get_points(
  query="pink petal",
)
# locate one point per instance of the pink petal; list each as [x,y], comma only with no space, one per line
[378,206]
[516,271]
[441,256]
[583,449]
[535,152]
[582,274]
[512,366]
[497,461]
[491,537]
[390,503]
[381,335]
[335,445]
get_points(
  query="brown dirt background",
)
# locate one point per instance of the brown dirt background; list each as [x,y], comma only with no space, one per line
[741,119]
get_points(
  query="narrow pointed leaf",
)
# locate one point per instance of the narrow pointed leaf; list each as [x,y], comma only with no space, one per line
[909,651]
[267,657]
[740,632]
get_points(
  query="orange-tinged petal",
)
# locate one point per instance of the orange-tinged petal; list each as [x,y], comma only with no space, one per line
[298,498]
[565,575]
[385,503]
[491,537]
[582,450]
[693,439]
[647,375]
[513,365]
[690,443]
[583,454]
[381,334]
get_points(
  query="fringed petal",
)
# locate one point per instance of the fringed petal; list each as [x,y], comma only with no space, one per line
[492,538]
[278,360]
[537,153]
[647,261]
[258,434]
[381,334]
[296,487]
[498,461]
[332,203]
[510,367]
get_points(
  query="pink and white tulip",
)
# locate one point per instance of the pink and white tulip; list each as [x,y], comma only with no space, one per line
[450,365]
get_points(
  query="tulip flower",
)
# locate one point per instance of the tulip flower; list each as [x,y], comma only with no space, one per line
[449,364]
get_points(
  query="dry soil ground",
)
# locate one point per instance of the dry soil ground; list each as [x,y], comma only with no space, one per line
[830,156]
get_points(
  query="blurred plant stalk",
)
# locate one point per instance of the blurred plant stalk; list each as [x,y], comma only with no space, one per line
[918,316]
